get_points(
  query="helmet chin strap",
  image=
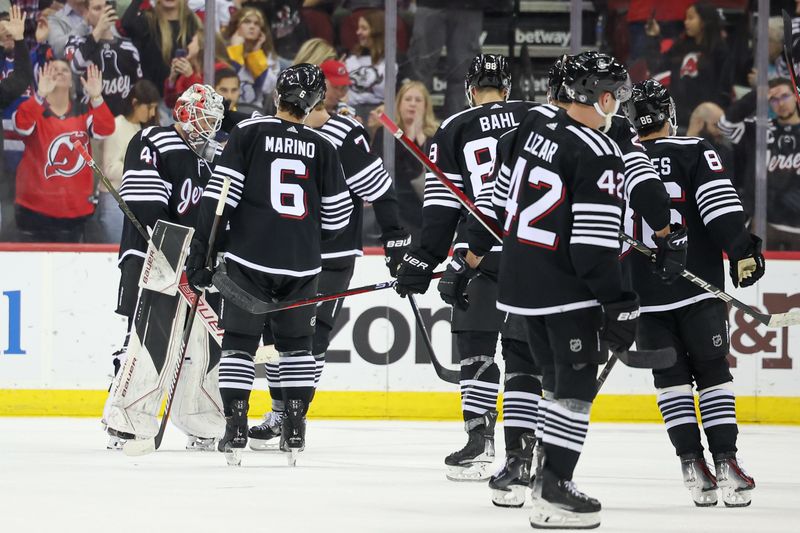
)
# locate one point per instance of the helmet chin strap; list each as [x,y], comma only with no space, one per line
[606,116]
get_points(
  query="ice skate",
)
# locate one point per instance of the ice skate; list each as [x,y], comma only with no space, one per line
[697,477]
[293,430]
[735,484]
[472,462]
[235,438]
[263,436]
[200,444]
[508,486]
[562,506]
[117,439]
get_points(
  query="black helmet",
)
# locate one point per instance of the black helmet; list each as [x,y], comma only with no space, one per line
[488,70]
[301,85]
[556,92]
[589,74]
[650,106]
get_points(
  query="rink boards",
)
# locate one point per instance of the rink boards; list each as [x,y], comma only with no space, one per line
[58,330]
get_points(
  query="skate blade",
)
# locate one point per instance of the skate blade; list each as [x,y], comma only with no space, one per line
[548,516]
[115,444]
[471,472]
[197,447]
[233,456]
[733,498]
[704,498]
[291,456]
[260,445]
[513,497]
[135,448]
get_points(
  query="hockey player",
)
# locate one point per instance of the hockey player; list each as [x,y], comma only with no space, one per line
[368,181]
[165,171]
[287,191]
[684,316]
[464,149]
[558,196]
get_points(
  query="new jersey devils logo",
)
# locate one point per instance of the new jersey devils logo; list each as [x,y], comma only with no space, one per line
[62,158]
[689,65]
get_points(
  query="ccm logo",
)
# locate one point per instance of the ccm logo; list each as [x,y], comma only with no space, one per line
[633,315]
[413,261]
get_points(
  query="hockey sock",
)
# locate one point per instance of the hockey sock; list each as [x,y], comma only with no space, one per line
[236,375]
[718,412]
[544,404]
[274,383]
[480,380]
[564,432]
[677,409]
[521,396]
[297,371]
[320,366]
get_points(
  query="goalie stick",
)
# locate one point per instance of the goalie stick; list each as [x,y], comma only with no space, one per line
[778,320]
[633,358]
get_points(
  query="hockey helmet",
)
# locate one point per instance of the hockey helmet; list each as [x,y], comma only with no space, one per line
[199,111]
[488,70]
[590,74]
[556,92]
[300,85]
[650,106]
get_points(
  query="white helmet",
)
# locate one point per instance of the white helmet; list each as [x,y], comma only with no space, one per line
[199,111]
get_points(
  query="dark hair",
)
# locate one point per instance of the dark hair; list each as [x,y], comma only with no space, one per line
[292,109]
[777,82]
[712,24]
[222,73]
[144,92]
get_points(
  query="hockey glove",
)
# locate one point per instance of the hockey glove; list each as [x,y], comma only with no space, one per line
[453,285]
[620,320]
[671,253]
[395,244]
[415,272]
[196,272]
[748,269]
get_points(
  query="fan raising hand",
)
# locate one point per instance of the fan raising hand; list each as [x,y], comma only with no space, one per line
[93,83]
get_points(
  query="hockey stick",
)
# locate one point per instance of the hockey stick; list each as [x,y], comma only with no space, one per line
[207,315]
[450,376]
[634,358]
[778,320]
[145,446]
[787,52]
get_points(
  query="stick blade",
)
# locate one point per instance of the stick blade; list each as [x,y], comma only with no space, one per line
[653,359]
[136,448]
[238,296]
[782,320]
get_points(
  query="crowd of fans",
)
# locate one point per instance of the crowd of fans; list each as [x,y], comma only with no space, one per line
[97,71]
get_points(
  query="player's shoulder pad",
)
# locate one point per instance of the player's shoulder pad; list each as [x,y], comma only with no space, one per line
[164,139]
[527,103]
[597,141]
[679,140]
[459,117]
[338,127]
[327,139]
[256,120]
[548,110]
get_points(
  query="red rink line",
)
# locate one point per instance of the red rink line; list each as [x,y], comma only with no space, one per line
[113,248]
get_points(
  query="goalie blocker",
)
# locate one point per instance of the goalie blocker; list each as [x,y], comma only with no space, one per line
[154,350]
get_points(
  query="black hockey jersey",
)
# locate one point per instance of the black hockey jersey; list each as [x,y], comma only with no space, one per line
[287,193]
[163,178]
[704,200]
[367,180]
[118,61]
[464,149]
[558,198]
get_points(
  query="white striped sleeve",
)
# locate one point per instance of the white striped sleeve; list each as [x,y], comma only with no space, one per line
[500,191]
[716,198]
[336,210]
[370,183]
[596,224]
[732,130]
[638,169]
[144,186]
[214,186]
[483,201]
[439,195]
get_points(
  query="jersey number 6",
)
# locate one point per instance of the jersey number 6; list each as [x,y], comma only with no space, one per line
[288,199]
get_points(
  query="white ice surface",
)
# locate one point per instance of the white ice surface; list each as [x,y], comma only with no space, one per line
[56,476]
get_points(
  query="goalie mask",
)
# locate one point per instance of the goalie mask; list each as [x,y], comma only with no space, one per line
[488,70]
[650,107]
[588,75]
[199,111]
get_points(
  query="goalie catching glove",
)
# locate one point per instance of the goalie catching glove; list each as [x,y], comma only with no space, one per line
[197,273]
[395,244]
[457,277]
[415,272]
[671,253]
[749,268]
[620,322]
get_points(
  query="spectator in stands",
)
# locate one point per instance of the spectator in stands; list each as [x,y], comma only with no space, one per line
[225,8]
[314,51]
[188,70]
[414,112]
[117,58]
[159,33]
[70,20]
[140,109]
[783,162]
[366,64]
[253,57]
[13,84]
[288,30]
[456,24]
[337,84]
[227,84]
[644,13]
[54,183]
[694,66]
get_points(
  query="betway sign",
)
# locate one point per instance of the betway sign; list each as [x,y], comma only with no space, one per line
[541,37]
